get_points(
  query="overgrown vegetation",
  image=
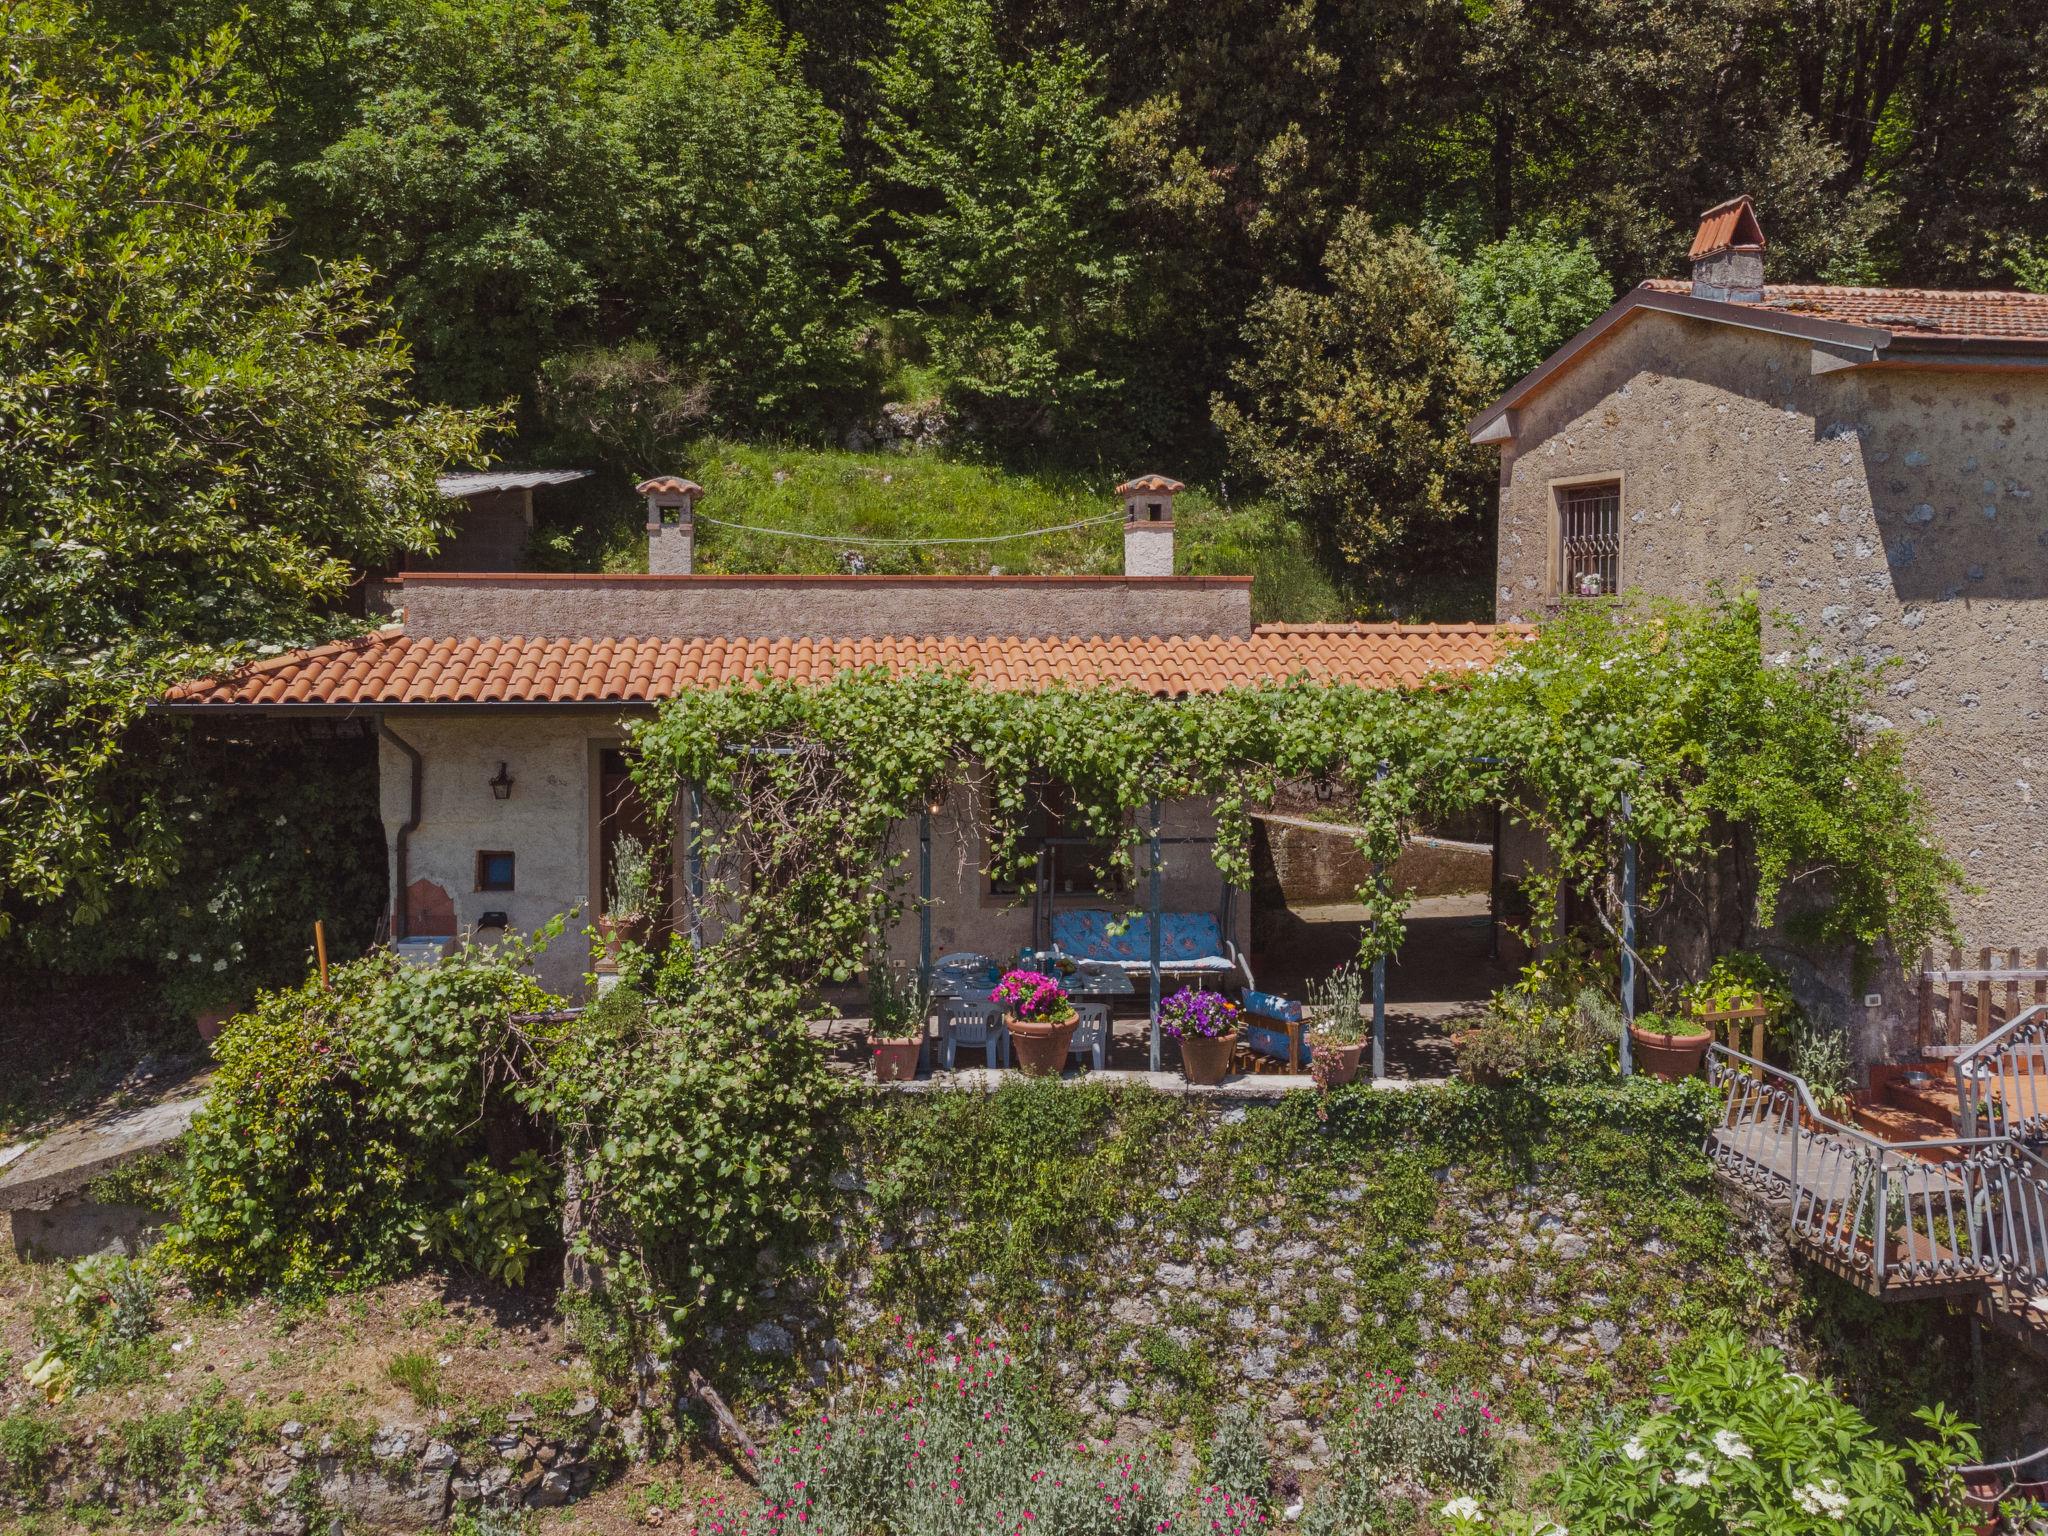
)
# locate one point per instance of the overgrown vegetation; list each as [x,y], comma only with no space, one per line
[1670,710]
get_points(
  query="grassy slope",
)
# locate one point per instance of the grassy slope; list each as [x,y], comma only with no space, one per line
[926,496]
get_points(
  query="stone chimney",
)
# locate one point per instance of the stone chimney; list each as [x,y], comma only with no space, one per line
[671,524]
[1148,524]
[1728,254]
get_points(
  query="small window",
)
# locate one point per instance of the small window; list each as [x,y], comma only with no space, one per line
[1589,540]
[493,871]
[1076,862]
[1155,511]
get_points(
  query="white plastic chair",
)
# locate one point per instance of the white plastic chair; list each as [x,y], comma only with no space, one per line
[1091,1034]
[964,1021]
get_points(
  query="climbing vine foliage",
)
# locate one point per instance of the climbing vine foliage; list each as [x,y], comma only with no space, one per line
[805,793]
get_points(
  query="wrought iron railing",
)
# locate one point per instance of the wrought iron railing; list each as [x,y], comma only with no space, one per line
[2002,1080]
[1954,1211]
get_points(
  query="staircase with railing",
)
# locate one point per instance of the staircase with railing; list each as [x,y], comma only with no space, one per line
[1959,1216]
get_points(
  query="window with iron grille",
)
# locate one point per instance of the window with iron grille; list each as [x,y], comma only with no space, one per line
[1589,540]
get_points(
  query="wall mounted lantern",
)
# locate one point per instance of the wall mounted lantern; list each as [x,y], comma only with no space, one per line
[501,786]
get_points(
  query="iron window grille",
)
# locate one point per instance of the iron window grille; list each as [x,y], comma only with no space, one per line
[1589,540]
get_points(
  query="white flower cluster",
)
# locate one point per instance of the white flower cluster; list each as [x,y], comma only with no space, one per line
[1824,1497]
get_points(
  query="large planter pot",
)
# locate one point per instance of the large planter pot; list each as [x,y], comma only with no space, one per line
[1041,1048]
[1340,1062]
[895,1060]
[624,930]
[1207,1062]
[1667,1056]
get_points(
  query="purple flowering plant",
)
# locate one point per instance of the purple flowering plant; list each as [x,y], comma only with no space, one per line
[1035,996]
[1198,1015]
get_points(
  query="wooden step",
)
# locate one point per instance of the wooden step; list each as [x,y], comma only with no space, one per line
[1888,1122]
[1936,1101]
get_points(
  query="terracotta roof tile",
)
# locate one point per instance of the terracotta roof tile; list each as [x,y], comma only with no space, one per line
[1150,485]
[1983,314]
[396,669]
[668,485]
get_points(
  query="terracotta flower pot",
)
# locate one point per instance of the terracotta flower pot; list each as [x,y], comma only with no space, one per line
[1041,1048]
[1668,1056]
[1206,1062]
[627,930]
[1340,1062]
[895,1060]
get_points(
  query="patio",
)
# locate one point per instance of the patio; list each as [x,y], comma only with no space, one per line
[1441,977]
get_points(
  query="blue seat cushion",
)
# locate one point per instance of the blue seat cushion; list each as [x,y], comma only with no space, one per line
[1187,940]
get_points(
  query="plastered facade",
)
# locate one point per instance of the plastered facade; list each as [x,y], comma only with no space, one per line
[541,606]
[549,825]
[1896,514]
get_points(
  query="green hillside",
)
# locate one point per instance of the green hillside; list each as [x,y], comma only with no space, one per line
[927,496]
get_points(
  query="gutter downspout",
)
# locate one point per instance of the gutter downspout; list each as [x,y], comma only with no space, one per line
[405,832]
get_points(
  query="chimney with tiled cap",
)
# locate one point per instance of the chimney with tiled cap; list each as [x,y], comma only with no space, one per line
[1148,524]
[671,524]
[1728,253]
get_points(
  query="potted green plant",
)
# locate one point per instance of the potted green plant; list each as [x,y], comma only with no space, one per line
[897,1007]
[1042,1021]
[1337,1031]
[630,897]
[1668,1049]
[1205,1024]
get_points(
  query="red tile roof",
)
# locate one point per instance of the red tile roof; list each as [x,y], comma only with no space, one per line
[669,485]
[1982,315]
[1153,485]
[1725,226]
[397,669]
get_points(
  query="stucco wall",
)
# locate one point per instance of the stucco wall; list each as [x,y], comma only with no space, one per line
[615,606]
[547,826]
[1895,514]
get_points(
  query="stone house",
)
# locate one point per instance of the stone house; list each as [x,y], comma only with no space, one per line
[500,700]
[1874,463]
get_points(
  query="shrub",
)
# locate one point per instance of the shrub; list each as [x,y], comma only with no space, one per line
[499,1219]
[1240,1466]
[1747,1444]
[1405,1440]
[322,1151]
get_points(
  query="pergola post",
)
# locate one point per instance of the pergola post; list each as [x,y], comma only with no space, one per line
[1628,933]
[1155,935]
[924,929]
[693,863]
[1379,976]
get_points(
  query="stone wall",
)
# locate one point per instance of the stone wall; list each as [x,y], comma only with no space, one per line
[767,607]
[1897,516]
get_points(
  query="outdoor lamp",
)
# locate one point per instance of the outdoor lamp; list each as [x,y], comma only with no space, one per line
[501,786]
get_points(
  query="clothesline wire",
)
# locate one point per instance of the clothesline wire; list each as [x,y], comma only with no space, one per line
[862,538]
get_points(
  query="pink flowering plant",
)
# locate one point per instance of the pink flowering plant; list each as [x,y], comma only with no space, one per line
[1189,1014]
[964,1444]
[1404,1443]
[1035,996]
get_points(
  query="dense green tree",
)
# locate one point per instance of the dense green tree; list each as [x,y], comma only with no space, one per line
[483,175]
[1520,297]
[1002,229]
[192,461]
[741,261]
[1352,400]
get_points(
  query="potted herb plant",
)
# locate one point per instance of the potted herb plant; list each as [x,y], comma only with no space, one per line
[1668,1049]
[1042,1021]
[1337,1033]
[630,897]
[896,1016]
[1205,1024]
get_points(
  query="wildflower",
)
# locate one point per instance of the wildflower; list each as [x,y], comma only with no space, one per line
[1693,1474]
[1634,1449]
[1731,1445]
[1464,1507]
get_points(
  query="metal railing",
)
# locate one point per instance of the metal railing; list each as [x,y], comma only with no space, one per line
[1955,1211]
[2002,1080]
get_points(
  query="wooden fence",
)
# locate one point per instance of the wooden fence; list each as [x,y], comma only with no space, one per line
[1960,1003]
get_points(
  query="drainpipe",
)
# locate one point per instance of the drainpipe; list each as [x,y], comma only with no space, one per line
[405,832]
